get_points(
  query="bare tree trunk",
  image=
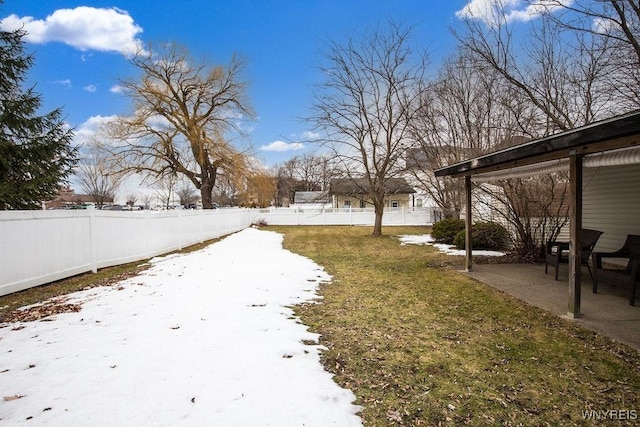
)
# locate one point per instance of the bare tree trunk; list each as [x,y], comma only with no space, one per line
[206,193]
[377,226]
[208,182]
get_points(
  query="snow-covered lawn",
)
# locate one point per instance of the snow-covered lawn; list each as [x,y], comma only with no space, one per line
[426,239]
[202,339]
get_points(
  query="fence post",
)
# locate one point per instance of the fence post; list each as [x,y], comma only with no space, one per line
[179,216]
[201,225]
[147,233]
[92,240]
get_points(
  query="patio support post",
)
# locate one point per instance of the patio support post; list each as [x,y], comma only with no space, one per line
[467,236]
[575,222]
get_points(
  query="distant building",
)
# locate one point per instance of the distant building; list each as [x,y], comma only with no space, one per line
[354,193]
[68,199]
[311,200]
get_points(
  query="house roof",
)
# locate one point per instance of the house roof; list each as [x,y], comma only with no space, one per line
[612,134]
[310,197]
[361,186]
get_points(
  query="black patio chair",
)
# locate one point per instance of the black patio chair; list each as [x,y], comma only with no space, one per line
[558,252]
[625,277]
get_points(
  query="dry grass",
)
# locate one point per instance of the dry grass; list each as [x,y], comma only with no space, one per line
[420,344]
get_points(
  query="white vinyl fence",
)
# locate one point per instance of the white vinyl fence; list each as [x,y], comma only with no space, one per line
[346,216]
[38,247]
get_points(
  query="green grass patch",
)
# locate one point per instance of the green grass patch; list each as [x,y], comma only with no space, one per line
[421,344]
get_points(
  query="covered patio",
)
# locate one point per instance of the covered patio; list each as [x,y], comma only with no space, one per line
[605,312]
[611,147]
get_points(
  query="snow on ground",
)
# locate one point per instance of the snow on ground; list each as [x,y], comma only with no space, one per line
[205,338]
[426,239]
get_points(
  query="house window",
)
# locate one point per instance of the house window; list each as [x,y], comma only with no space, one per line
[363,204]
[418,203]
[395,204]
[347,204]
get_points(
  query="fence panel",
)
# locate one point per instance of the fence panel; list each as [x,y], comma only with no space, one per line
[38,247]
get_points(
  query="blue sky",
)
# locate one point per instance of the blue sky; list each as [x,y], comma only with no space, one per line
[80,49]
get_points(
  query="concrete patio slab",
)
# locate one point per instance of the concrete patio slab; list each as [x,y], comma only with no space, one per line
[608,312]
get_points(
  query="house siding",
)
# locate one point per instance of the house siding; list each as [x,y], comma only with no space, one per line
[611,203]
[405,201]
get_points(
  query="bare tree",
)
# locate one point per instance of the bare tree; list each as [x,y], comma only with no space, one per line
[534,209]
[184,113]
[469,112]
[96,179]
[563,74]
[615,26]
[131,199]
[187,194]
[286,181]
[165,190]
[465,113]
[364,107]
[310,172]
[146,200]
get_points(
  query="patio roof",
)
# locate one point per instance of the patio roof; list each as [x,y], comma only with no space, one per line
[611,134]
[622,156]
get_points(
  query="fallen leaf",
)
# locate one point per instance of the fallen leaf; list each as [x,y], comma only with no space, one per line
[394,416]
[41,311]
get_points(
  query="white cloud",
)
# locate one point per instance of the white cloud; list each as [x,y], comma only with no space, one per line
[603,26]
[85,28]
[493,12]
[311,136]
[282,146]
[85,131]
[66,83]
[116,89]
[90,88]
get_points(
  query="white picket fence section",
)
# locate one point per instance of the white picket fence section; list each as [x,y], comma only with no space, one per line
[38,247]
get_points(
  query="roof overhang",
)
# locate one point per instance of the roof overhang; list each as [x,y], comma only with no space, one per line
[616,133]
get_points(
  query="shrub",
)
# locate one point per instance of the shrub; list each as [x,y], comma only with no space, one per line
[446,230]
[485,235]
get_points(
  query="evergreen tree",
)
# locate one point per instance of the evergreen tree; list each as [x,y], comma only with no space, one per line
[36,154]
